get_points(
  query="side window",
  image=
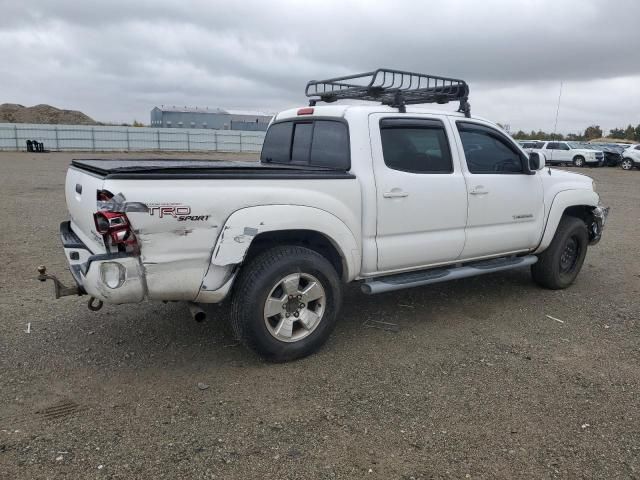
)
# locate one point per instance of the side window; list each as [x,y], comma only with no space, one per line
[277,143]
[539,145]
[415,145]
[564,146]
[638,147]
[488,151]
[330,145]
[552,146]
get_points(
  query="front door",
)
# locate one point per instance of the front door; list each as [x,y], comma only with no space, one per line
[420,191]
[506,206]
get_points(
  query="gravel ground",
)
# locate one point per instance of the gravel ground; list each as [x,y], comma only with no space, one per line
[477,382]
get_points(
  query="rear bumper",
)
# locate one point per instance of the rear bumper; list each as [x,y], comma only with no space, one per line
[93,273]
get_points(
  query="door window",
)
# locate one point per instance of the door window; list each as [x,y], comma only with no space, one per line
[488,151]
[415,145]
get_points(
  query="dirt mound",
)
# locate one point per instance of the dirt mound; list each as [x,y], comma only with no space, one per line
[14,113]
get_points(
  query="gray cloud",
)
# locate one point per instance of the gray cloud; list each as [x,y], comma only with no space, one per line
[115,60]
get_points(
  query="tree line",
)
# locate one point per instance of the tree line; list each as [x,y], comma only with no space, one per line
[592,132]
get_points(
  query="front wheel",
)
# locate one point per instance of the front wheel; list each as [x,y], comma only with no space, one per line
[558,266]
[578,161]
[626,164]
[286,303]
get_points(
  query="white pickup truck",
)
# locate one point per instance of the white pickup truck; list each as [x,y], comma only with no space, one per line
[385,194]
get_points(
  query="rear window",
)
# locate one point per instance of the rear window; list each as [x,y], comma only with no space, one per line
[277,143]
[319,143]
[301,143]
[330,146]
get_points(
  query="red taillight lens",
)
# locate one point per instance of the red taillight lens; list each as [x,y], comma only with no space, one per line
[104,195]
[305,111]
[109,221]
[116,230]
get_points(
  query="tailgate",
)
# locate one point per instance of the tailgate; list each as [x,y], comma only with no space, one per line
[81,191]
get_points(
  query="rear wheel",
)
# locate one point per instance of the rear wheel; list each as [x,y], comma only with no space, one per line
[286,302]
[578,161]
[626,164]
[559,265]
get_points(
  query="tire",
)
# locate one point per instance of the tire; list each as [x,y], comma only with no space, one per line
[626,164]
[578,161]
[558,266]
[275,282]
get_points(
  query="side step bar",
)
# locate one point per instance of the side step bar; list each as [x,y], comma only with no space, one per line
[436,275]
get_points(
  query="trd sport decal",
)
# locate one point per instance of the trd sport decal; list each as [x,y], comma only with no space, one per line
[181,213]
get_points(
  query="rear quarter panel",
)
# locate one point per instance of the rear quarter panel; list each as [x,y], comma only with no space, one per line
[178,233]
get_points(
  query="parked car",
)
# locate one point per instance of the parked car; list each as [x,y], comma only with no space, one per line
[571,153]
[612,153]
[388,195]
[530,145]
[527,143]
[631,158]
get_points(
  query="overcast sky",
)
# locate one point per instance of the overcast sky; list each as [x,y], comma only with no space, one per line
[116,59]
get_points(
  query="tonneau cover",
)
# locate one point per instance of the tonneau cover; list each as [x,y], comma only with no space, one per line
[176,168]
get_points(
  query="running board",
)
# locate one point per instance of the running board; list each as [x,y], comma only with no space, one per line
[436,275]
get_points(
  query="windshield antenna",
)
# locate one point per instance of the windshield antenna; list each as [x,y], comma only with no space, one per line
[555,125]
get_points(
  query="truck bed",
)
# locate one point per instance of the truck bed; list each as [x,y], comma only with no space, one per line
[159,169]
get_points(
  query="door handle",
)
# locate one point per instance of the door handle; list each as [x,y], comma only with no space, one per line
[479,190]
[395,193]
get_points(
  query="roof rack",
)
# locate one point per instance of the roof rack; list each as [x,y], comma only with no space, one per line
[391,87]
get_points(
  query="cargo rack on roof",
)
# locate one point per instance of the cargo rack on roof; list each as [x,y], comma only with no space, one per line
[391,87]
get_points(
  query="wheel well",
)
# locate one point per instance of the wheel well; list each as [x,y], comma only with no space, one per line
[578,156]
[583,212]
[304,238]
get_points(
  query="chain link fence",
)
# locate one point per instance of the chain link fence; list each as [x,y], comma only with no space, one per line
[14,136]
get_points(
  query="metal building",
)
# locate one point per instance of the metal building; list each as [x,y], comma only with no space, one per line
[215,118]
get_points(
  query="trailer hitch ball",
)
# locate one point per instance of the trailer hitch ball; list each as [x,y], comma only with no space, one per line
[61,290]
[42,271]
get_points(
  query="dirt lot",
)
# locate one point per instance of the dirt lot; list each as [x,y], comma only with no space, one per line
[477,383]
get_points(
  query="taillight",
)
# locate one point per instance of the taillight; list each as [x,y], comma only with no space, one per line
[305,111]
[108,221]
[115,229]
[104,195]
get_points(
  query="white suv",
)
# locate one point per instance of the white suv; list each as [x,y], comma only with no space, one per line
[631,158]
[573,153]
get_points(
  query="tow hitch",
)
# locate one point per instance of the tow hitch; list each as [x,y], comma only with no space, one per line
[61,290]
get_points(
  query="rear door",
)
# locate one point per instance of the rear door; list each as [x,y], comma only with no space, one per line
[420,191]
[506,207]
[551,150]
[563,154]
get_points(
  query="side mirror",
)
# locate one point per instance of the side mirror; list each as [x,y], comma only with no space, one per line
[536,161]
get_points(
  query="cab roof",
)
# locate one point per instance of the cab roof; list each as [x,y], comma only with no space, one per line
[340,111]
